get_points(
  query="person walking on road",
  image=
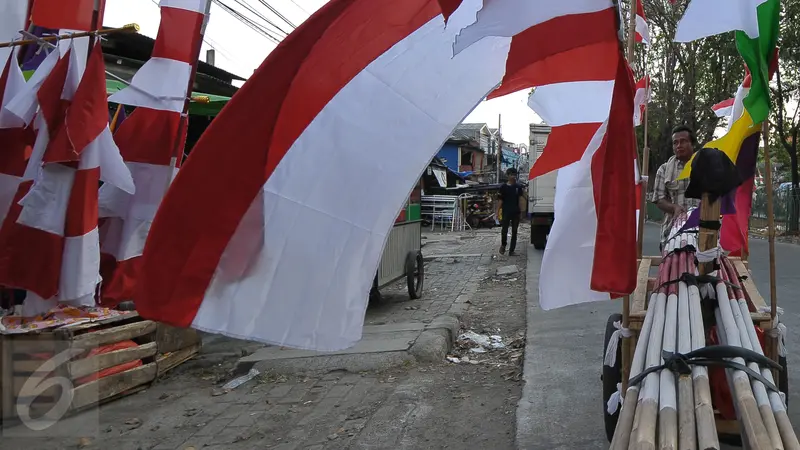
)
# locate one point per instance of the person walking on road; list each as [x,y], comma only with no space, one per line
[669,193]
[510,198]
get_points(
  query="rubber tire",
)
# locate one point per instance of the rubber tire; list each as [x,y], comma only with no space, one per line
[415,274]
[539,236]
[375,297]
[611,377]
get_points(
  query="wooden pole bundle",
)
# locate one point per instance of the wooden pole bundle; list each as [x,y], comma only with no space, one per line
[686,414]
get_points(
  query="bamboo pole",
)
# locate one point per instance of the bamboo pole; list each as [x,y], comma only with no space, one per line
[707,437]
[687,429]
[786,431]
[113,125]
[752,424]
[647,409]
[728,372]
[668,399]
[130,28]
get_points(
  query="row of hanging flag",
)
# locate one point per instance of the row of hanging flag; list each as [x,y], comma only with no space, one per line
[58,231]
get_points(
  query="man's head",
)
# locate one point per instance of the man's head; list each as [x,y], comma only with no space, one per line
[511,174]
[683,141]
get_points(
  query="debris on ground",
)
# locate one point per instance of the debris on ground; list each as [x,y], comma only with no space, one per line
[507,270]
[479,343]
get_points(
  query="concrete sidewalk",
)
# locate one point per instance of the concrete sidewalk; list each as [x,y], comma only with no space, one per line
[399,331]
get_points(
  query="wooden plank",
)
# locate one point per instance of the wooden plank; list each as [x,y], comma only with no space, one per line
[114,334]
[750,290]
[171,360]
[655,261]
[729,427]
[93,364]
[107,321]
[98,390]
[639,302]
[171,339]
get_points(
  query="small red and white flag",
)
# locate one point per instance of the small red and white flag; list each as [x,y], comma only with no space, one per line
[723,108]
[49,242]
[642,29]
[163,81]
[148,140]
[249,243]
[640,100]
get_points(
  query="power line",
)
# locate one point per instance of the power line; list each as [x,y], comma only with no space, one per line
[258,28]
[275,11]
[301,8]
[264,18]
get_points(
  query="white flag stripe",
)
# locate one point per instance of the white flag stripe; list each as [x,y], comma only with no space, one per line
[159,84]
[198,6]
[511,17]
[704,18]
[592,100]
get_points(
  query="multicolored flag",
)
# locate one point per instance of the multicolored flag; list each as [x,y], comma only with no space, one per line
[240,229]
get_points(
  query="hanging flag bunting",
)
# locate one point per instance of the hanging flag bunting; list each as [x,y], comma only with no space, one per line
[642,30]
[49,242]
[147,140]
[230,247]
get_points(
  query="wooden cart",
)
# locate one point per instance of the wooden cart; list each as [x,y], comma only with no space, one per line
[637,304]
[402,255]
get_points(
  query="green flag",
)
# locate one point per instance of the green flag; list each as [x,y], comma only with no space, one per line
[757,52]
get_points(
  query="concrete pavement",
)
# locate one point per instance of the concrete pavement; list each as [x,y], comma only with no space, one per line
[561,405]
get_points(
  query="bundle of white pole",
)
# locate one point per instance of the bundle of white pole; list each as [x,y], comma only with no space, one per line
[771,407]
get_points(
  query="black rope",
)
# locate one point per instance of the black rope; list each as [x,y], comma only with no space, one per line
[711,224]
[713,355]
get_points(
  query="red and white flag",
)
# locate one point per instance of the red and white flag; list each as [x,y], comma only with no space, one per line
[163,81]
[640,100]
[49,242]
[262,235]
[723,108]
[148,140]
[642,29]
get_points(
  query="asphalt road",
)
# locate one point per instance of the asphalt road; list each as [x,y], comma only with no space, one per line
[561,405]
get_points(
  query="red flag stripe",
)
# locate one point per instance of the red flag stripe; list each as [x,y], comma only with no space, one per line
[569,142]
[87,116]
[148,136]
[178,35]
[448,7]
[614,266]
[294,95]
[66,14]
[535,59]
[82,207]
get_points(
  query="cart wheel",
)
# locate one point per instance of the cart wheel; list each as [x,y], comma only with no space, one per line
[611,377]
[375,297]
[539,236]
[415,273]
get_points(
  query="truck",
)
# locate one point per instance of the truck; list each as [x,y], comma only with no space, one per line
[541,190]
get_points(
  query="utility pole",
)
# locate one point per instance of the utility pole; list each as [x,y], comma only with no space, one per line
[499,140]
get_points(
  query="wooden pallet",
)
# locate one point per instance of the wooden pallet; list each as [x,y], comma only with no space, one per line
[638,309]
[23,366]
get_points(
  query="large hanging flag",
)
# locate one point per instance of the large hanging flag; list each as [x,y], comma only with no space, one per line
[756,23]
[240,230]
[148,140]
[642,29]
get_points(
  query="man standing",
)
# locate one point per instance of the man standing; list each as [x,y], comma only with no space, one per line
[509,203]
[669,192]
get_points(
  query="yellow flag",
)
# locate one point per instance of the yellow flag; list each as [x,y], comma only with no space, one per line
[731,143]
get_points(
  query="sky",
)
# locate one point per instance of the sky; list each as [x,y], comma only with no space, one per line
[240,50]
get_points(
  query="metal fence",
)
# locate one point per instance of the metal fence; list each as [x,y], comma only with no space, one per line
[786,209]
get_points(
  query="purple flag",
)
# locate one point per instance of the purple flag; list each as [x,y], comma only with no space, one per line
[32,57]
